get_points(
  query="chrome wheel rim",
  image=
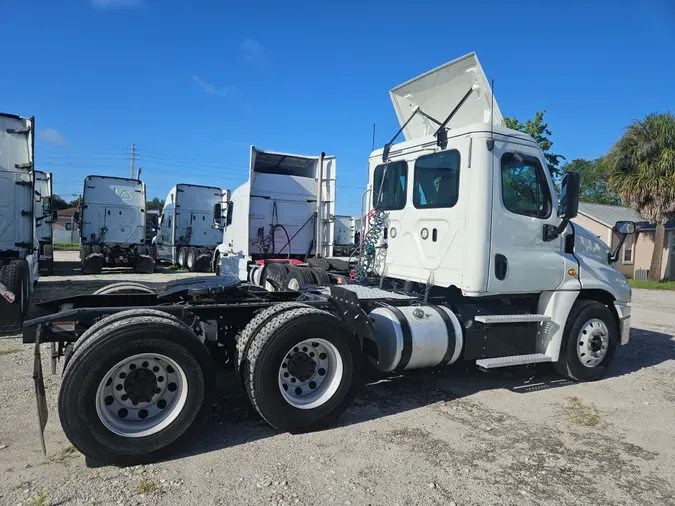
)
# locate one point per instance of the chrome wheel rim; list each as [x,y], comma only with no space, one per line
[141,395]
[181,257]
[310,373]
[592,343]
[294,284]
[190,260]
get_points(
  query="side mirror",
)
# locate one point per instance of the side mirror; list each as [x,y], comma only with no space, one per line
[217,213]
[76,216]
[55,216]
[624,227]
[230,208]
[47,205]
[570,190]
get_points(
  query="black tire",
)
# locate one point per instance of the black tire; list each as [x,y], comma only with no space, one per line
[191,259]
[298,277]
[93,265]
[569,363]
[254,326]
[216,263]
[107,320]
[267,352]
[321,277]
[321,263]
[182,257]
[124,287]
[93,360]
[338,265]
[14,276]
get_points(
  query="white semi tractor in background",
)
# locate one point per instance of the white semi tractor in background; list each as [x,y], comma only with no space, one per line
[112,225]
[186,235]
[19,247]
[468,255]
[44,217]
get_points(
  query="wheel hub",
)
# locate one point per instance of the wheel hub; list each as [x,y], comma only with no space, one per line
[140,386]
[592,343]
[301,366]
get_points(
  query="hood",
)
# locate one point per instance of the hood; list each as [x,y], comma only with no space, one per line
[439,91]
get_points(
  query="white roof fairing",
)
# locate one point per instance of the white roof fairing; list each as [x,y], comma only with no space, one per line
[439,91]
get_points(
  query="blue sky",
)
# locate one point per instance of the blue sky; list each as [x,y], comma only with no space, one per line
[193,83]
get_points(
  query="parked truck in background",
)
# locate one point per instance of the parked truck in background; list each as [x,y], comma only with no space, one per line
[112,225]
[186,233]
[18,242]
[469,255]
[44,217]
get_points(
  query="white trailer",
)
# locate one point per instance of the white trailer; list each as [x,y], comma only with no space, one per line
[18,243]
[44,217]
[469,254]
[280,218]
[112,225]
[186,233]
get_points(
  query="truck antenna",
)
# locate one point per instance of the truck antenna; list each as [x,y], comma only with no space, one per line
[372,146]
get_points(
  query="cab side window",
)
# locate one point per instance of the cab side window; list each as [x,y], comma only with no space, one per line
[524,187]
[394,188]
[436,183]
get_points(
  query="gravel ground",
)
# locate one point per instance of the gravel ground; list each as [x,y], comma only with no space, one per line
[518,436]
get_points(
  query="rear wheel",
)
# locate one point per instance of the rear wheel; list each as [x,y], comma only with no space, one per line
[182,257]
[320,276]
[135,390]
[216,263]
[275,272]
[124,287]
[301,369]
[298,277]
[191,261]
[589,342]
[14,276]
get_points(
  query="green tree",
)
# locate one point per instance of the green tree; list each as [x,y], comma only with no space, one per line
[539,130]
[58,203]
[156,204]
[593,181]
[642,170]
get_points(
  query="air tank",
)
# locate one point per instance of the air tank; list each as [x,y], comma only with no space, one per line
[413,337]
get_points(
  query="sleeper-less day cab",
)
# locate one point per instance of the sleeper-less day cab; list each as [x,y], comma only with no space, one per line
[474,259]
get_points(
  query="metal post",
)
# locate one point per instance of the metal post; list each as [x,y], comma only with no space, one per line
[133,160]
[319,205]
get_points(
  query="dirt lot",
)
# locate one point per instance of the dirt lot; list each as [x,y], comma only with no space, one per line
[520,436]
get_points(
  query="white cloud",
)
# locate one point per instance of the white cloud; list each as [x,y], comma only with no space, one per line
[105,4]
[226,91]
[252,52]
[53,136]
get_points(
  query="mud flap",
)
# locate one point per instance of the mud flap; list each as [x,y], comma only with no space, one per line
[10,312]
[145,264]
[41,398]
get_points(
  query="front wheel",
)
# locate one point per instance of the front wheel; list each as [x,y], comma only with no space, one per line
[301,369]
[127,398]
[589,342]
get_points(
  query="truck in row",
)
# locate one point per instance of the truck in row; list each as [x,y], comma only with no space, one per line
[467,254]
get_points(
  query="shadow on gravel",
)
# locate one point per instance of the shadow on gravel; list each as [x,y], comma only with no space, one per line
[235,422]
[65,268]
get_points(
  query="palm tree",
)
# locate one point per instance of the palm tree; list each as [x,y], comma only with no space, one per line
[641,168]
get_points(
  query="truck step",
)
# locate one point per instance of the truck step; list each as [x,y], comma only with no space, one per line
[512,318]
[493,363]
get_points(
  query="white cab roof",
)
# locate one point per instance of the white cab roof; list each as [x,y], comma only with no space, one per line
[438,92]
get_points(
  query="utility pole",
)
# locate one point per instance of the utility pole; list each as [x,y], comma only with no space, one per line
[133,159]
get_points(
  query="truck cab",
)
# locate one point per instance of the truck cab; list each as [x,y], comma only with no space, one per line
[469,207]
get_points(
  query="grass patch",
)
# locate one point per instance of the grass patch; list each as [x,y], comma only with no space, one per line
[178,268]
[146,487]
[580,413]
[66,246]
[652,285]
[9,351]
[40,499]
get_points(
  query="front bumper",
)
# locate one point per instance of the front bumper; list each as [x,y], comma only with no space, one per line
[623,311]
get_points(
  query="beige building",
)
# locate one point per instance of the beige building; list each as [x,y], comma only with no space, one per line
[636,253]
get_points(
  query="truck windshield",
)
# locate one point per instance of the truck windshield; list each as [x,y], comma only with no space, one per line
[394,189]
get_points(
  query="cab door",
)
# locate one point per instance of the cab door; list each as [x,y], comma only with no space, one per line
[524,201]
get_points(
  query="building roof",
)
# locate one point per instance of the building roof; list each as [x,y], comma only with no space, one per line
[608,215]
[67,212]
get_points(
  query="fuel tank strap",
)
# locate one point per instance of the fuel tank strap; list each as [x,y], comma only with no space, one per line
[450,350]
[406,352]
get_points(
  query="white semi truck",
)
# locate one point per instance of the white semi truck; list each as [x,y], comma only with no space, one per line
[469,255]
[18,243]
[44,217]
[112,225]
[186,235]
